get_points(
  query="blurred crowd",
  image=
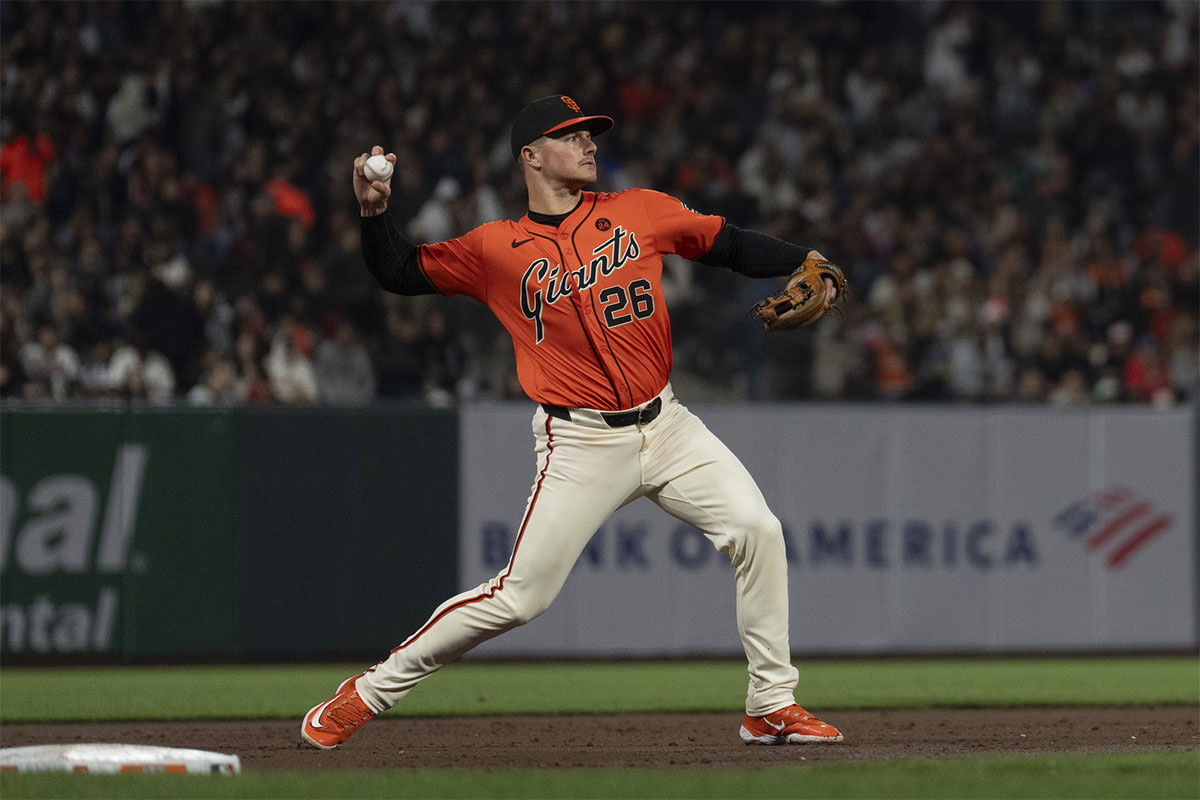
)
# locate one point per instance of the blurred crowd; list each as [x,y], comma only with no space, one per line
[1013,189]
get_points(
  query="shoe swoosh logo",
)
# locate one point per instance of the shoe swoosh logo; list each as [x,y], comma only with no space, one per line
[315,716]
[517,244]
[777,728]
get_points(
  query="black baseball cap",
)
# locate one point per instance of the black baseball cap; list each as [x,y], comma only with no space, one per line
[549,114]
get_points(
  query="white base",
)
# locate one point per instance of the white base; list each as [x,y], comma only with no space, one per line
[111,759]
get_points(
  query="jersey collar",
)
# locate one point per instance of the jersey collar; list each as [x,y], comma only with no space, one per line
[554,220]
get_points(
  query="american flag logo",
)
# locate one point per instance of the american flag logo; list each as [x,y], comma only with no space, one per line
[1113,520]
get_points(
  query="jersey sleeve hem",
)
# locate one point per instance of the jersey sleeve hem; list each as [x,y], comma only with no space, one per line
[713,244]
[424,274]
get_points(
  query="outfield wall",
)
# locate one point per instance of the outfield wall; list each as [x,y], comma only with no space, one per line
[909,529]
[259,534]
[238,533]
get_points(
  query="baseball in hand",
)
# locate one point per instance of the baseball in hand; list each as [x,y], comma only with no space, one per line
[377,168]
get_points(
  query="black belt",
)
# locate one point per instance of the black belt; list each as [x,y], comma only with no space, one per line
[615,419]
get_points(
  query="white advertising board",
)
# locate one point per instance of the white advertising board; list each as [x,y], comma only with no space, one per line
[908,530]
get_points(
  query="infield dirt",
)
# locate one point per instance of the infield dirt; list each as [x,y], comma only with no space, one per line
[650,740]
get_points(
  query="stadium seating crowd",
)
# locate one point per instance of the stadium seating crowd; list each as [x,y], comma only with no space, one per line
[1013,188]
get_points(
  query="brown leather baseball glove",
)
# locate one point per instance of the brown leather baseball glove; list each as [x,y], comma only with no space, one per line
[802,301]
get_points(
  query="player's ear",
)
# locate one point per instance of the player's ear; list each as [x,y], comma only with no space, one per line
[530,156]
[531,153]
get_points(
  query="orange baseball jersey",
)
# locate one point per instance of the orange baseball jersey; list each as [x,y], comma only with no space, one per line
[583,301]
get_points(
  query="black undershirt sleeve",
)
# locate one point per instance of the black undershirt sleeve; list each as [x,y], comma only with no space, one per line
[392,258]
[754,254]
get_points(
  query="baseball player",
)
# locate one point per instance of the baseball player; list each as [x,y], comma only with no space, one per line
[576,282]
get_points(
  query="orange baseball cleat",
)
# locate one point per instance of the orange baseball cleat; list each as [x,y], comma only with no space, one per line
[791,725]
[330,723]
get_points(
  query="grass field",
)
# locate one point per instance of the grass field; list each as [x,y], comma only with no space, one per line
[270,692]
[264,692]
[1168,775]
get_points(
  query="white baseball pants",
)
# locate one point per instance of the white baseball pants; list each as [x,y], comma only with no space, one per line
[586,471]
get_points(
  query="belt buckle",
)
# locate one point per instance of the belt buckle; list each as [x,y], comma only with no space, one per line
[649,412]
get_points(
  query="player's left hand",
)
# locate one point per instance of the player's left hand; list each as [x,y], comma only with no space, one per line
[831,293]
[831,289]
[812,289]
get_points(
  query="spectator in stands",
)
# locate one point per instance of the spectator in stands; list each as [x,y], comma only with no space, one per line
[251,384]
[24,158]
[139,372]
[289,366]
[345,375]
[1146,378]
[443,360]
[94,377]
[400,366]
[218,384]
[50,366]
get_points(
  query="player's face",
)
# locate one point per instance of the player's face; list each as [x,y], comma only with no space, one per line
[569,157]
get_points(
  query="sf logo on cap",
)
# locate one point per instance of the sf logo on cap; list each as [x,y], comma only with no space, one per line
[571,104]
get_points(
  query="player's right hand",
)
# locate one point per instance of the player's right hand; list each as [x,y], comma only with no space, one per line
[372,195]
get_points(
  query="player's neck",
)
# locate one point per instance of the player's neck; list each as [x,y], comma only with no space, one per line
[553,199]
